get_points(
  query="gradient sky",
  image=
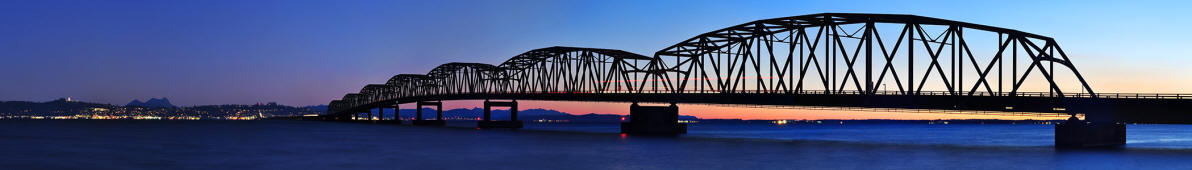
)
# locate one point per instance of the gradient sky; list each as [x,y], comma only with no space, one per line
[310,52]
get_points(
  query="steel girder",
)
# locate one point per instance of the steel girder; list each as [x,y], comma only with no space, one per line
[568,70]
[462,78]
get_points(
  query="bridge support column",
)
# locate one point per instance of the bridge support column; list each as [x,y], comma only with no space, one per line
[381,115]
[487,122]
[653,120]
[396,115]
[1075,133]
[368,116]
[438,114]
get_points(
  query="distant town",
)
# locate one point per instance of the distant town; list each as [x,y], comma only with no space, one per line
[153,109]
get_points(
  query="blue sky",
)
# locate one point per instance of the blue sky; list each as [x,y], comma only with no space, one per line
[310,52]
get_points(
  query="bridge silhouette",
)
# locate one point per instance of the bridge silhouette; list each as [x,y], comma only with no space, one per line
[828,59]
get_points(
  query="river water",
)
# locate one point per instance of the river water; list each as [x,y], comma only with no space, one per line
[132,144]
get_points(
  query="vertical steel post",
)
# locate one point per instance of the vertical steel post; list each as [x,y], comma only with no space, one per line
[868,57]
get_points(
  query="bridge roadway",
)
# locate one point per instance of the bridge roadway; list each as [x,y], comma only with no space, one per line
[1132,108]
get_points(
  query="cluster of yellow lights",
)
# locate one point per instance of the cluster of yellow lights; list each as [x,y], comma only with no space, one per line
[183,118]
[240,118]
[147,117]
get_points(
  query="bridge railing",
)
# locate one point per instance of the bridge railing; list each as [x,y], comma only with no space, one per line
[1144,95]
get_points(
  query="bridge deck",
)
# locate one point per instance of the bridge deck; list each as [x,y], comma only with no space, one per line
[1130,110]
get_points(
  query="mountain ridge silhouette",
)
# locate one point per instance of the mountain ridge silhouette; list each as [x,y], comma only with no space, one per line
[151,103]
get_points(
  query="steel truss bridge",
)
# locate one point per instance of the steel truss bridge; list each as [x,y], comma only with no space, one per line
[829,59]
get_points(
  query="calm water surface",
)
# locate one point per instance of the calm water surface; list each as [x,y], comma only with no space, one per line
[127,144]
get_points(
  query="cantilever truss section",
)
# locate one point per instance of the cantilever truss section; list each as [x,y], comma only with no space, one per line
[545,70]
[839,53]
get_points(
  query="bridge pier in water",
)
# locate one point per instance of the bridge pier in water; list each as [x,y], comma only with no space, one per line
[487,121]
[1098,130]
[418,121]
[653,120]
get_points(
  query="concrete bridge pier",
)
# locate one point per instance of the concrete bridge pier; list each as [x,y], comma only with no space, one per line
[487,122]
[418,121]
[653,120]
[1099,130]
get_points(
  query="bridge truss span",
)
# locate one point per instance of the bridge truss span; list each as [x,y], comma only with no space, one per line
[841,53]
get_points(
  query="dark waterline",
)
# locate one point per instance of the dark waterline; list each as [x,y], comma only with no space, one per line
[129,144]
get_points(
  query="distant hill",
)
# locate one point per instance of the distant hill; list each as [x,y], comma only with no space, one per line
[55,107]
[152,103]
[154,107]
[320,108]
